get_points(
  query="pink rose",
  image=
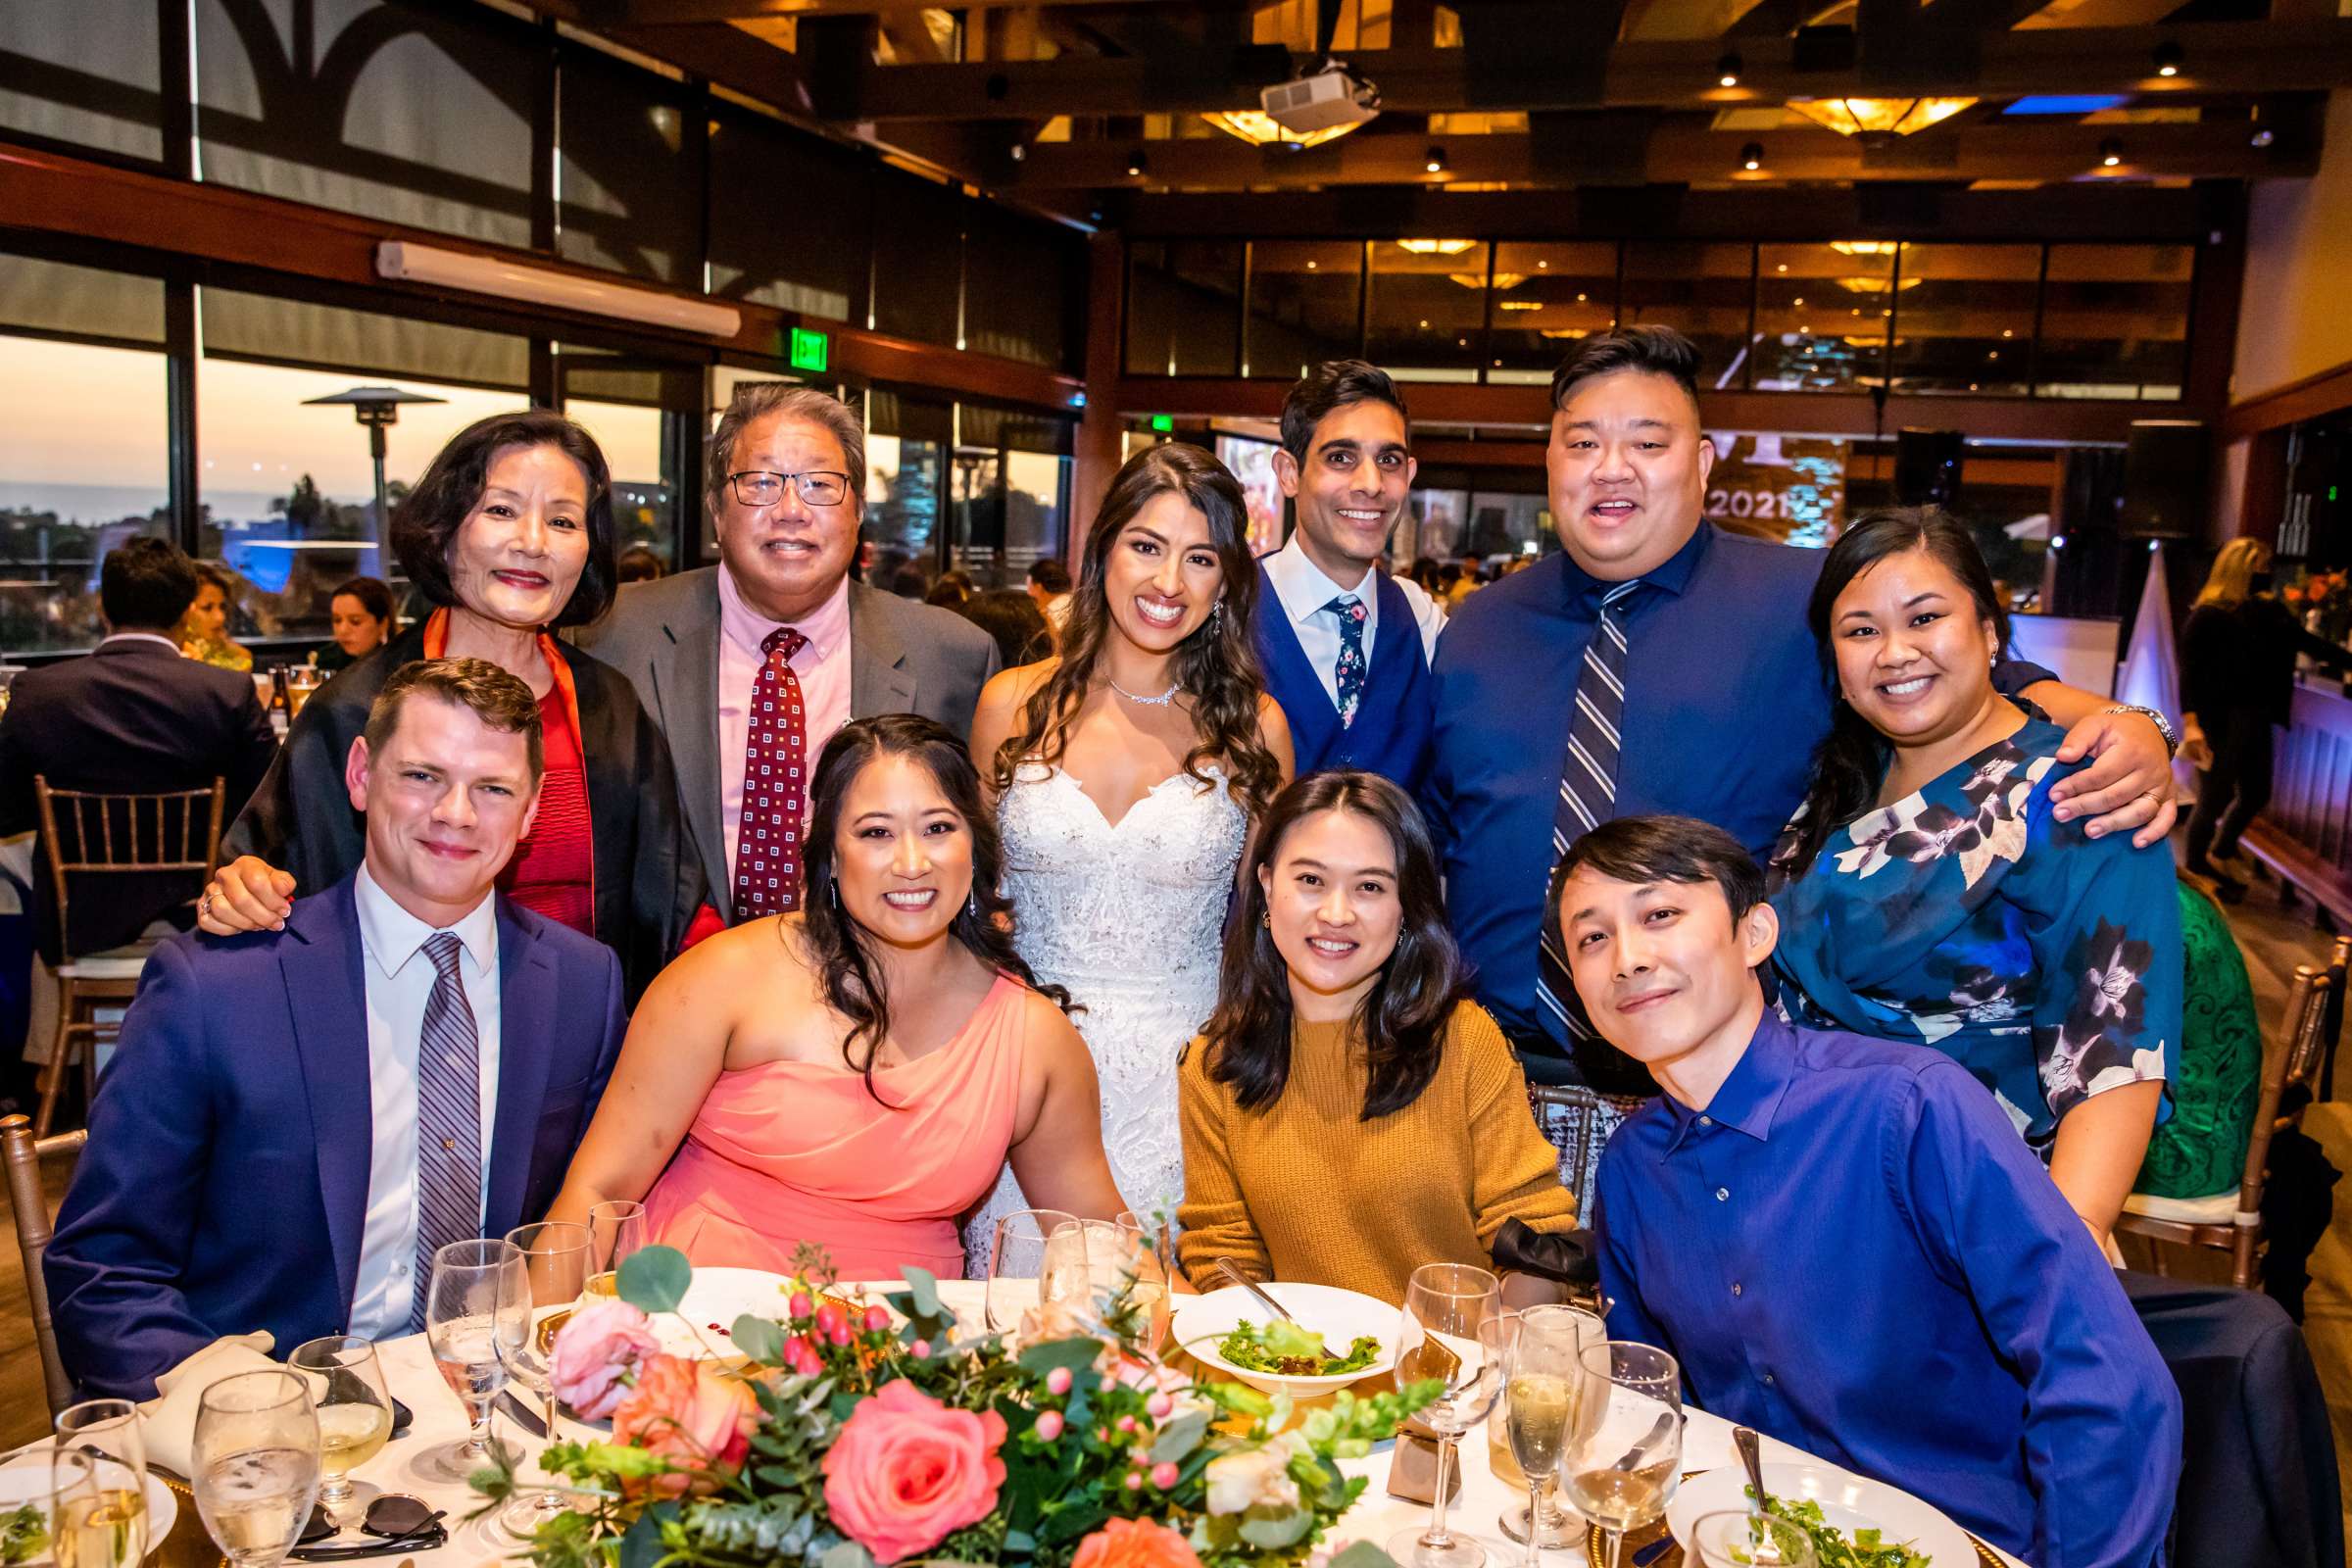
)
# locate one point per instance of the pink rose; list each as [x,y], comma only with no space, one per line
[1135,1543]
[689,1414]
[601,1344]
[907,1472]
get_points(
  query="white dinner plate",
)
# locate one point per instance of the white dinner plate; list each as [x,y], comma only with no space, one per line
[1848,1502]
[719,1296]
[1201,1321]
[25,1478]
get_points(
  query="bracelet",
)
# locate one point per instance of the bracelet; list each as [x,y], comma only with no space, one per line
[2164,726]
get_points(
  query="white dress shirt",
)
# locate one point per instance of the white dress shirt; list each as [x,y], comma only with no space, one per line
[1305,594]
[398,977]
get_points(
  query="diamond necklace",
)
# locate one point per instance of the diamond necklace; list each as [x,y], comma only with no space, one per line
[1162,701]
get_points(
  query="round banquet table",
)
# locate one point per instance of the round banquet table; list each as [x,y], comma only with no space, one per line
[440,1418]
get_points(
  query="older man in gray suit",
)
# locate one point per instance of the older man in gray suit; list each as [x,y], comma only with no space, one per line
[751,666]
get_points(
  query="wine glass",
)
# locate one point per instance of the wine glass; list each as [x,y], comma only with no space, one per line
[355,1415]
[1146,1256]
[1625,1460]
[461,1319]
[1444,1306]
[94,1521]
[1017,1264]
[1738,1539]
[616,1230]
[536,1290]
[1558,1528]
[1542,1374]
[257,1464]
[107,1432]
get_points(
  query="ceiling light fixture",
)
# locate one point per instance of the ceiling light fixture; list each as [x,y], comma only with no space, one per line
[1261,129]
[1863,247]
[1136,163]
[1727,69]
[1436,247]
[2168,59]
[402,260]
[1893,116]
[1020,152]
[1751,156]
[2111,152]
[1435,163]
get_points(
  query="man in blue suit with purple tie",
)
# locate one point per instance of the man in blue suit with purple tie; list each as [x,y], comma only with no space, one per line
[296,1119]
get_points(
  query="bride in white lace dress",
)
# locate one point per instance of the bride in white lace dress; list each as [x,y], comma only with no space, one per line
[1128,771]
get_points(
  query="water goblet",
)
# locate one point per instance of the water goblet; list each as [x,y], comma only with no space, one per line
[616,1228]
[1624,1462]
[1016,1265]
[257,1464]
[542,1287]
[463,1318]
[1438,1338]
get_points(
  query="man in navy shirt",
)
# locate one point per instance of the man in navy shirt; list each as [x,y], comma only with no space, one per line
[1718,700]
[1344,646]
[1842,1240]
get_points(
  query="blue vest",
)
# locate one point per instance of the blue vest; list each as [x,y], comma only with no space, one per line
[1390,734]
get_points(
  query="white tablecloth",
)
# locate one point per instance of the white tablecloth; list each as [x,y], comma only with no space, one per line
[441,1418]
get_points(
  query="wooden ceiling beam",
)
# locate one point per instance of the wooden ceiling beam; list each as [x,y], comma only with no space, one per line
[2221,57]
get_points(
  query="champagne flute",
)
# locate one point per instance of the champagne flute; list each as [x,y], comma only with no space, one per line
[257,1464]
[1146,1256]
[1542,1375]
[1017,1264]
[1625,1460]
[461,1324]
[616,1228]
[107,1431]
[1558,1528]
[1444,1306]
[541,1285]
[1738,1539]
[355,1415]
[93,1520]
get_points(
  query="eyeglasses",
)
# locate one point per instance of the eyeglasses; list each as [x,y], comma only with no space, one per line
[401,1523]
[756,487]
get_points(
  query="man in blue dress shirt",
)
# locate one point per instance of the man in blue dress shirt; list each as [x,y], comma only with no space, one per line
[1720,696]
[1842,1240]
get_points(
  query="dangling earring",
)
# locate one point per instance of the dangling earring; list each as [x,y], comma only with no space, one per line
[971,903]
[833,887]
[1265,918]
[1216,613]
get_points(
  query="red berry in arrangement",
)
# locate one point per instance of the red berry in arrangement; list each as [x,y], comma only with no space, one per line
[877,1318]
[1126,1424]
[839,1334]
[1159,1405]
[830,1318]
[1058,1381]
[799,1306]
[1049,1426]
[1163,1474]
[921,1350]
[1135,1480]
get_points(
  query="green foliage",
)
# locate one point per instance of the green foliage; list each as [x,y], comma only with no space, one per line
[654,1278]
[23,1535]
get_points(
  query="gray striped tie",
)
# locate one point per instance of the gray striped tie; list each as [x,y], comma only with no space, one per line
[1587,797]
[449,1119]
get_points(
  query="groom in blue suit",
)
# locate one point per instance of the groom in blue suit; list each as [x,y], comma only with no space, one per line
[296,1119]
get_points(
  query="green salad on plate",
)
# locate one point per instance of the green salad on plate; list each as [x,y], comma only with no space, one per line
[1287,1350]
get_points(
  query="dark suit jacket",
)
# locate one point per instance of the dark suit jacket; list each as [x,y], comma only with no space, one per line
[224,1188]
[905,658]
[648,885]
[130,717]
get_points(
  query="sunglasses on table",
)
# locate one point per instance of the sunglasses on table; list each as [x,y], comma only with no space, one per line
[399,1522]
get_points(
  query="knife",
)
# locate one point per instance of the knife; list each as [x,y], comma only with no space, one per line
[524,1416]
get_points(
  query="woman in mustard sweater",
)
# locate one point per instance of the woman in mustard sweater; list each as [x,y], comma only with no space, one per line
[1348,1114]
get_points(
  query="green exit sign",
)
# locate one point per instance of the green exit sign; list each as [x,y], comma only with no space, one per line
[1163,423]
[811,351]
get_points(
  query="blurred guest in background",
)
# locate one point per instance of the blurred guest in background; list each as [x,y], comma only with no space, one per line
[1345,1058]
[361,619]
[1926,890]
[852,1075]
[2238,687]
[274,1146]
[749,667]
[132,716]
[1013,620]
[509,534]
[204,629]
[1127,771]
[640,565]
[1049,588]
[951,589]
[1355,696]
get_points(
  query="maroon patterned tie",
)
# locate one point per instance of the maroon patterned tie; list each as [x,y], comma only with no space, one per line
[775,785]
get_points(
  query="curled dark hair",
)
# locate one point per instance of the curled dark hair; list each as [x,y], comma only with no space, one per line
[1402,1019]
[1333,385]
[426,524]
[1657,350]
[842,949]
[1216,666]
[1660,848]
[1850,762]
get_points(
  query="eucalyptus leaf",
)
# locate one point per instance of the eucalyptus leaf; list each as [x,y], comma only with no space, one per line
[1180,1437]
[849,1554]
[759,1338]
[1363,1554]
[641,1545]
[1280,1531]
[654,1278]
[1075,1355]
[924,1288]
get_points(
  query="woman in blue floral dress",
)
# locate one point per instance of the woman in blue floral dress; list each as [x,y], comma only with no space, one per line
[1927,892]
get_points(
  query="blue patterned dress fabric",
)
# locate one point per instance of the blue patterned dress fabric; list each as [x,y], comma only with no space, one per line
[1349,672]
[449,1119]
[1588,794]
[1967,918]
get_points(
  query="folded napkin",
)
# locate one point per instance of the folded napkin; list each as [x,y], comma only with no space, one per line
[168,1422]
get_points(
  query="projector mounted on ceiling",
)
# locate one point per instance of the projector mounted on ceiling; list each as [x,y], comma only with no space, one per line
[1332,96]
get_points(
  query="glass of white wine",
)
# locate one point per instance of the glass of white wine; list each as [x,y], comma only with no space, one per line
[1625,1460]
[1559,1527]
[1542,1375]
[94,1521]
[257,1464]
[355,1416]
[107,1432]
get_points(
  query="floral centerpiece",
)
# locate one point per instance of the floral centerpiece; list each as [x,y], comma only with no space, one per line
[2322,601]
[852,1433]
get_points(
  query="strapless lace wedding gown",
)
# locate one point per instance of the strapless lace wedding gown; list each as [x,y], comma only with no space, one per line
[1130,918]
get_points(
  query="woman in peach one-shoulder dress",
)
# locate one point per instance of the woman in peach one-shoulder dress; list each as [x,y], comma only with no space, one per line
[853,1074]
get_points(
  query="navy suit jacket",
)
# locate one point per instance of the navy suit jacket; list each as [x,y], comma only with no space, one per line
[1390,734]
[225,1187]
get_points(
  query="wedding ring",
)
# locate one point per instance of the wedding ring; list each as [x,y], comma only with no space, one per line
[204,906]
